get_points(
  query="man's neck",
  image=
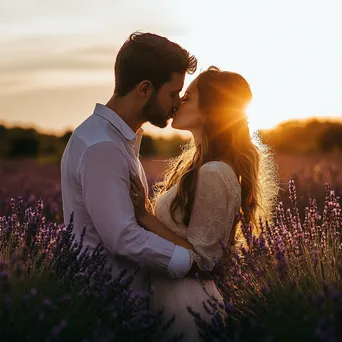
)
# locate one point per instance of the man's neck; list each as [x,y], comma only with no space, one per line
[124,107]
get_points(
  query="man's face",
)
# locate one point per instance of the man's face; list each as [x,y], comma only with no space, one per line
[162,104]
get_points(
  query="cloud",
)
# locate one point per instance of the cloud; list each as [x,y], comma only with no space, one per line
[39,63]
[41,53]
[36,62]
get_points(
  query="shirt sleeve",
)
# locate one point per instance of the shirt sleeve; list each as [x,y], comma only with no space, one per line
[217,201]
[180,263]
[104,177]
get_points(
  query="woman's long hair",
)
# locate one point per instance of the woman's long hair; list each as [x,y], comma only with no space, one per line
[223,99]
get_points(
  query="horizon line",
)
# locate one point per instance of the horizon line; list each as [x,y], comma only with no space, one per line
[61,132]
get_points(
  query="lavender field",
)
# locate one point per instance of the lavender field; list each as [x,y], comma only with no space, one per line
[33,179]
[283,283]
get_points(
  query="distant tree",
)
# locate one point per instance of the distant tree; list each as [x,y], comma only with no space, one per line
[170,147]
[4,146]
[49,149]
[304,136]
[3,131]
[301,136]
[24,147]
[331,138]
[65,137]
[147,147]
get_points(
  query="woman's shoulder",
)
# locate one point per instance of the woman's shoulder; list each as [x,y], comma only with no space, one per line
[217,167]
[220,173]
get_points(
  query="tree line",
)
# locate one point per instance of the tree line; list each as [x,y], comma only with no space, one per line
[312,136]
[305,136]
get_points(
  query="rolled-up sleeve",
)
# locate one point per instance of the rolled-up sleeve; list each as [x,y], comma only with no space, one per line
[104,178]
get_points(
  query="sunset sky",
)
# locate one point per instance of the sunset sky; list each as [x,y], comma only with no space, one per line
[57,56]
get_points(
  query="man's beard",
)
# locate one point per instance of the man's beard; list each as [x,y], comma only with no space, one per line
[153,113]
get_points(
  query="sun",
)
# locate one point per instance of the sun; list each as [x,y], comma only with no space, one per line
[259,117]
[253,120]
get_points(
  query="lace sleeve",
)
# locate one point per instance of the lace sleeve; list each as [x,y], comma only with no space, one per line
[217,201]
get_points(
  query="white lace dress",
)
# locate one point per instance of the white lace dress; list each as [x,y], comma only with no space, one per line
[217,201]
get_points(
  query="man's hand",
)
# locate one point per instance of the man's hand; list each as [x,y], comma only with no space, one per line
[138,196]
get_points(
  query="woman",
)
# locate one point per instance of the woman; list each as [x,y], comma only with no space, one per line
[221,173]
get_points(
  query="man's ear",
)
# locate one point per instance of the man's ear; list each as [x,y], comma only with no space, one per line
[145,89]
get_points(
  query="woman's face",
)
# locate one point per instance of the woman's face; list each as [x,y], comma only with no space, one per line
[189,116]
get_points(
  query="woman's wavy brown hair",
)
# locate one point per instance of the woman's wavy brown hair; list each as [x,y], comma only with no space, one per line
[223,99]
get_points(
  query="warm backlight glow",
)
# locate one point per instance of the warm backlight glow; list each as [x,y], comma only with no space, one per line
[58,56]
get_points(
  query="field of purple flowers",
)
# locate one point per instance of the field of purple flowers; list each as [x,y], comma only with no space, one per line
[283,283]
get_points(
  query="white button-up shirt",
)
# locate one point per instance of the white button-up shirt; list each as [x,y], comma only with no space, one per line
[96,187]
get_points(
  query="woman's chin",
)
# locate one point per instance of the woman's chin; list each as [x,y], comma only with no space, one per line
[175,126]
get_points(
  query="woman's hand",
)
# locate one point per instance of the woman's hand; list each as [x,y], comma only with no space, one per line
[138,196]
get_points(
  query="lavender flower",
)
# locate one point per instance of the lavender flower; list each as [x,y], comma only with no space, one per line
[64,292]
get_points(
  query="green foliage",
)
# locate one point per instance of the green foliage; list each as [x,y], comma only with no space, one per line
[147,147]
[17,143]
[28,143]
[24,147]
[312,136]
[169,148]
[305,136]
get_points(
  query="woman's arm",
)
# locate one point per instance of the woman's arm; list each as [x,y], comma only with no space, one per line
[152,224]
[147,220]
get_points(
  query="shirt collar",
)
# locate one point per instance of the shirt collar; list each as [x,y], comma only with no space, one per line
[116,121]
[137,141]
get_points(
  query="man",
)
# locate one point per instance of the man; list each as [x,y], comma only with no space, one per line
[149,75]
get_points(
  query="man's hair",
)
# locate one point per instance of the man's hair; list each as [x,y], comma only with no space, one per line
[147,56]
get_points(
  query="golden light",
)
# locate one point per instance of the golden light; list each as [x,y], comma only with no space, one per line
[255,120]
[262,117]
